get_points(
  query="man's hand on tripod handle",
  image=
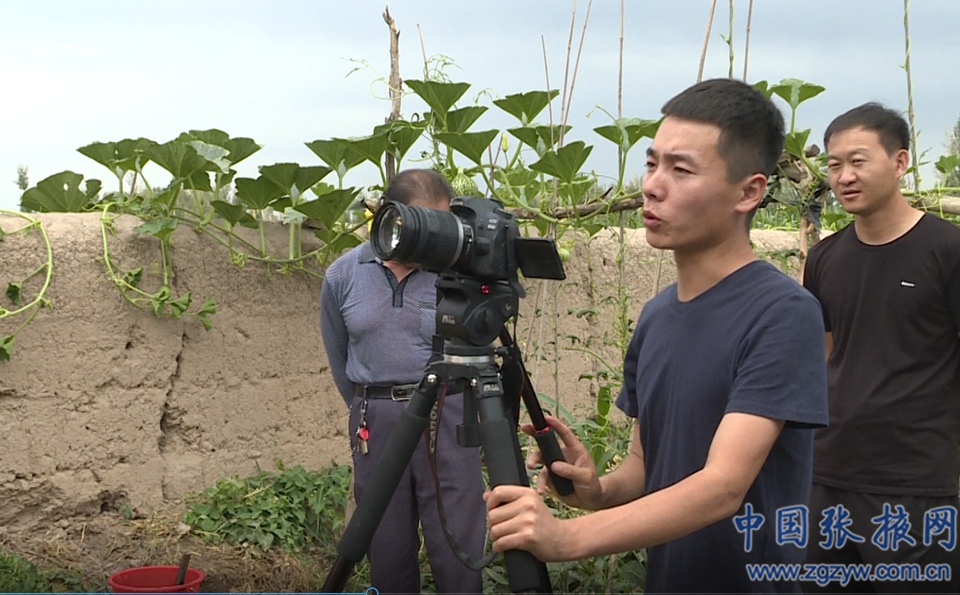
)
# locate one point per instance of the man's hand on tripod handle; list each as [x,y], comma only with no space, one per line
[550,453]
[518,517]
[574,465]
[519,520]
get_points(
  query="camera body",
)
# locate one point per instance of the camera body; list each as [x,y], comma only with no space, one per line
[494,232]
[477,238]
[477,250]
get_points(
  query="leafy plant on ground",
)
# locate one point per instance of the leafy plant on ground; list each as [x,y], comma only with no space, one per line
[291,508]
[20,575]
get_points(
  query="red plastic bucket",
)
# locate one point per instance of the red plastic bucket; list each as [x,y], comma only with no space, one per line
[155,579]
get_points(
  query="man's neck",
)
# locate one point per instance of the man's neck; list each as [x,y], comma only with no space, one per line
[398,269]
[888,223]
[700,270]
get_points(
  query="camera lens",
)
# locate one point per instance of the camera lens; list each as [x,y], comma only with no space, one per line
[435,240]
[388,233]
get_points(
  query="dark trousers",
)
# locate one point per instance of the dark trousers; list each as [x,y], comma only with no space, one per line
[871,516]
[394,551]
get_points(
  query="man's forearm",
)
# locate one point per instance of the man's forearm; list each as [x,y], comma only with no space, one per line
[623,484]
[700,500]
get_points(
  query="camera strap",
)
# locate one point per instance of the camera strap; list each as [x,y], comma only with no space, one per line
[451,538]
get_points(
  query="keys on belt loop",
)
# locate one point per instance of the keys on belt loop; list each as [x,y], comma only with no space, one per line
[363,433]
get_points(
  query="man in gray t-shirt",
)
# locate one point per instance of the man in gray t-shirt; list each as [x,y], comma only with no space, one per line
[378,319]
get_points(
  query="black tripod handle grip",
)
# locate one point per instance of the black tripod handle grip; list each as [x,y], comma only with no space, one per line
[550,452]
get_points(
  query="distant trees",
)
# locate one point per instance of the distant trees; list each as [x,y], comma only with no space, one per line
[952,179]
[23,178]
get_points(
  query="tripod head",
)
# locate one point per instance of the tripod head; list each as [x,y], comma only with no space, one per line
[473,311]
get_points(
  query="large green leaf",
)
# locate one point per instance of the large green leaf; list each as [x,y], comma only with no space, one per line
[460,120]
[526,106]
[370,147]
[565,162]
[238,148]
[470,144]
[795,142]
[337,153]
[947,163]
[120,157]
[103,153]
[294,179]
[61,193]
[258,194]
[234,214]
[200,180]
[439,96]
[401,135]
[178,158]
[626,132]
[212,136]
[764,88]
[795,91]
[330,204]
[283,175]
[224,179]
[282,204]
[516,177]
[215,155]
[539,138]
[309,176]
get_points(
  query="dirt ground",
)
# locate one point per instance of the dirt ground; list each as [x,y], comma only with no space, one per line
[87,550]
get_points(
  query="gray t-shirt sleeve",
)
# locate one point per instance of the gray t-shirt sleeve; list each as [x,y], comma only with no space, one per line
[334,332]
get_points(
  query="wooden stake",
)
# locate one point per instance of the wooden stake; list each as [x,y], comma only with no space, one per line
[395,83]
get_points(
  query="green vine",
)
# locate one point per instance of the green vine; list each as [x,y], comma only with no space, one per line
[14,291]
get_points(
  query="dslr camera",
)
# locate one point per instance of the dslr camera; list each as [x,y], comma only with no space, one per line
[477,250]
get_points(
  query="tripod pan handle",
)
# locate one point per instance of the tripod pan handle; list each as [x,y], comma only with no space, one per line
[550,452]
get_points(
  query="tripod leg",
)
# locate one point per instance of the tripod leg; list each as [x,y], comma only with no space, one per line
[501,450]
[376,497]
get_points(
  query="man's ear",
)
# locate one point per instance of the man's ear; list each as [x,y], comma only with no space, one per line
[902,160]
[753,188]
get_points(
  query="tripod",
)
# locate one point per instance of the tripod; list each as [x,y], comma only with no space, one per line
[474,369]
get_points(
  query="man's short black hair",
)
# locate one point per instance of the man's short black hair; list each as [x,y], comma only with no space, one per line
[425,185]
[751,126]
[893,130]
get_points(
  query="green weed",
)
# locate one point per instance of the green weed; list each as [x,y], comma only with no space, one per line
[292,508]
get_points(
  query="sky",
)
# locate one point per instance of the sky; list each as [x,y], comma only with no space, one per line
[279,71]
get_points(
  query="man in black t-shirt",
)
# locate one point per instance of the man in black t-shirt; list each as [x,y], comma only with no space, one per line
[725,376]
[886,469]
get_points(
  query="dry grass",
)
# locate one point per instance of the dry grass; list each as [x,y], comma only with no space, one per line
[91,549]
